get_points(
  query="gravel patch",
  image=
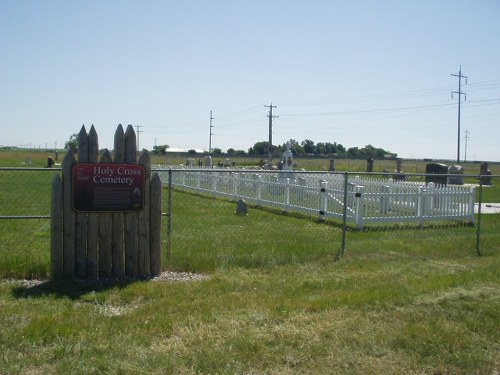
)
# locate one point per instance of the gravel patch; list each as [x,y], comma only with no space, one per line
[164,276]
[180,276]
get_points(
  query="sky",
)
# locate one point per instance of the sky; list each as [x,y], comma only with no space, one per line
[354,72]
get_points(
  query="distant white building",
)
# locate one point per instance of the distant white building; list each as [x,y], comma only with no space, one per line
[180,150]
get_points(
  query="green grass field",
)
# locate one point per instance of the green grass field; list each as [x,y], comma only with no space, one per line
[403,300]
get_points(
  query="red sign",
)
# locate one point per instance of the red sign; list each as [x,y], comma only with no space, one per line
[108,187]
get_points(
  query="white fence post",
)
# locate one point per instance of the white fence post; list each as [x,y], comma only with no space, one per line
[323,199]
[198,180]
[472,204]
[359,205]
[421,203]
[214,181]
[385,199]
[235,187]
[259,188]
[287,194]
[302,183]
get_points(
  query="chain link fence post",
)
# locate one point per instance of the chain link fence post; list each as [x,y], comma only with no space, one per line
[169,215]
[478,227]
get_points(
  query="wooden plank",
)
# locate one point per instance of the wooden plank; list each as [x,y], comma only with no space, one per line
[105,228]
[56,228]
[130,146]
[155,228]
[69,217]
[131,219]
[93,146]
[92,229]
[83,146]
[117,246]
[143,217]
[117,230]
[82,218]
[119,144]
[131,244]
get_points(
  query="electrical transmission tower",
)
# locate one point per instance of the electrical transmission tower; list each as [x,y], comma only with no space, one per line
[210,134]
[460,93]
[270,115]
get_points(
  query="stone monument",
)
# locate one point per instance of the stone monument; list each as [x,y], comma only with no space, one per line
[369,165]
[287,158]
[455,175]
[332,165]
[241,208]
[399,175]
[485,174]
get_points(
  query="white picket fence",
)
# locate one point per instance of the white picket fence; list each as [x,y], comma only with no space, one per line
[368,200]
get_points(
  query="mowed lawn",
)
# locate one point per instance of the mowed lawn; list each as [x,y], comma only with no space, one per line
[275,300]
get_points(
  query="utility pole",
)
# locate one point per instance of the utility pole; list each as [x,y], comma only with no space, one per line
[460,93]
[138,131]
[467,136]
[210,134]
[270,115]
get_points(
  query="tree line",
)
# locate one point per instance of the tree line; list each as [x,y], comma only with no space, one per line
[304,148]
[309,147]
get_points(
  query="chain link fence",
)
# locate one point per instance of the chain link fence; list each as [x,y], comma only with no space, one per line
[288,217]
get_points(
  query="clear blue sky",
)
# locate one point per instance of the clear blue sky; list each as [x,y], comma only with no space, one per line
[352,72]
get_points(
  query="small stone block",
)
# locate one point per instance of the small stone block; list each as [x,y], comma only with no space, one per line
[241,208]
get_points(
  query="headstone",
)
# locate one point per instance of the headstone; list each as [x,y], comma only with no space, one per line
[50,162]
[332,165]
[436,173]
[455,173]
[241,208]
[399,175]
[369,164]
[485,174]
[208,162]
[190,163]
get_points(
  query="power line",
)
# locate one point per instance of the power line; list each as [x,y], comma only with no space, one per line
[460,93]
[467,137]
[210,136]
[270,115]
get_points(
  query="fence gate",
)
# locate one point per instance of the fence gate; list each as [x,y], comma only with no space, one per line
[106,213]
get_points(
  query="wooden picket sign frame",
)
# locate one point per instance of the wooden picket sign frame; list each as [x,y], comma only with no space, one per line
[105,245]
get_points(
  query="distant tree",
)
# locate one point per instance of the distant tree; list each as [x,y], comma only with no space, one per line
[217,151]
[353,152]
[191,152]
[240,152]
[72,143]
[260,148]
[320,148]
[231,151]
[295,147]
[338,149]
[160,149]
[308,146]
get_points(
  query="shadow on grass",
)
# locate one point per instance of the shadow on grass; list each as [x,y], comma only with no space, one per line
[72,289]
